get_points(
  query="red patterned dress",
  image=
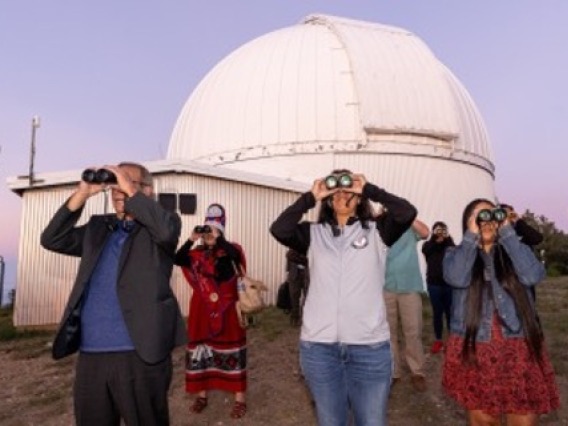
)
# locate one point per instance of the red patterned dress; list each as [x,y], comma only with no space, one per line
[505,379]
[216,351]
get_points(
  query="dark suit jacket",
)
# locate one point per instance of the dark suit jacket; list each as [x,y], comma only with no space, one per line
[148,304]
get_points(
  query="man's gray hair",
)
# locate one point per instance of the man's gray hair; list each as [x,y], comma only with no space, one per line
[145,174]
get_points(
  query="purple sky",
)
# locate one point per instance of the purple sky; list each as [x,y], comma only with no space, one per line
[109,78]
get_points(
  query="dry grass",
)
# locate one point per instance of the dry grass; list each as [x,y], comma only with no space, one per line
[37,390]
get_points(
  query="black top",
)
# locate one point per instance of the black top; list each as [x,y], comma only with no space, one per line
[434,253]
[397,218]
[227,257]
[529,236]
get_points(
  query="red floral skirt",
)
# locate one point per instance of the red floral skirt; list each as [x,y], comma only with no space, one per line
[505,379]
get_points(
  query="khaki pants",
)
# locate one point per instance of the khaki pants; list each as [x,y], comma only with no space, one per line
[407,307]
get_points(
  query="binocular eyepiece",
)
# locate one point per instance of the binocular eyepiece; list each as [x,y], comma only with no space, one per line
[338,181]
[497,214]
[199,229]
[98,176]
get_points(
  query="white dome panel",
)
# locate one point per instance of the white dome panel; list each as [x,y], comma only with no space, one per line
[329,85]
[259,93]
[397,77]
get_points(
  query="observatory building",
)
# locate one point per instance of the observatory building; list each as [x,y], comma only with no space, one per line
[268,119]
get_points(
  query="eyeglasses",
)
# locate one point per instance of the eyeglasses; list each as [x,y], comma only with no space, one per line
[491,215]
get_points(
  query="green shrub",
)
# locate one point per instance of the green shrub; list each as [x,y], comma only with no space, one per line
[9,332]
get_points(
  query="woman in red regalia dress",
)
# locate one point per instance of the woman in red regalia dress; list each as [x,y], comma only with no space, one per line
[216,351]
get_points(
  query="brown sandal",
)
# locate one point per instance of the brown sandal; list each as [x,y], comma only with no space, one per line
[239,410]
[199,404]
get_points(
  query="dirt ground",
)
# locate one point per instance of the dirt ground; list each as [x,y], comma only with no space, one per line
[35,390]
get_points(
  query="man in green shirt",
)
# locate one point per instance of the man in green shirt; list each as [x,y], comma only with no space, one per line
[403,288]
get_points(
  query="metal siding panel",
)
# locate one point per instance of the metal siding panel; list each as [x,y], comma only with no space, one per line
[250,210]
[439,188]
[45,278]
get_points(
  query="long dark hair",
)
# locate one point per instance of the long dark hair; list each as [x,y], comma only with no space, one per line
[364,211]
[506,277]
[230,257]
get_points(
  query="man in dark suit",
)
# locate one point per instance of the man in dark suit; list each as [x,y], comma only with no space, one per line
[122,315]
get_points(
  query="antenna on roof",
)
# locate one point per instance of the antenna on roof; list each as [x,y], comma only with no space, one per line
[35,125]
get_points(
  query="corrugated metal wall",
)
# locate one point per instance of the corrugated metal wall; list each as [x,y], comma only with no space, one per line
[45,278]
[439,188]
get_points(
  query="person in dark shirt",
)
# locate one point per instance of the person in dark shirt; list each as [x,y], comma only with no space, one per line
[529,236]
[298,281]
[438,290]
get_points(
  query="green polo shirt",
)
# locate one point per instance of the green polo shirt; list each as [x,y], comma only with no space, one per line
[403,271]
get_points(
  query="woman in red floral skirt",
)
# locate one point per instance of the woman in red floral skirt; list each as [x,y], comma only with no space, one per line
[496,363]
[216,350]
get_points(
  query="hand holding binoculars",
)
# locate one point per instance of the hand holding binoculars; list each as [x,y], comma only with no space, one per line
[98,176]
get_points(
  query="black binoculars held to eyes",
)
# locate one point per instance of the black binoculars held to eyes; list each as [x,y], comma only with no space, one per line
[205,229]
[338,181]
[98,176]
[497,214]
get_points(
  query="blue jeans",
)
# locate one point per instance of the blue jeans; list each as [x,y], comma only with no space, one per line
[441,299]
[348,376]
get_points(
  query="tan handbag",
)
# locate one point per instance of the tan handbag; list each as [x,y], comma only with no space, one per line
[250,294]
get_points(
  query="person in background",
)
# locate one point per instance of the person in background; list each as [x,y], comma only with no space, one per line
[122,315]
[298,281]
[527,233]
[439,292]
[403,289]
[496,364]
[344,340]
[216,351]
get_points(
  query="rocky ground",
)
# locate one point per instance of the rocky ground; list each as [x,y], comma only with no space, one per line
[35,390]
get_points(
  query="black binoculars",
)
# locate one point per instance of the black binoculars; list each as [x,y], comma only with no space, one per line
[497,214]
[199,229]
[98,176]
[338,181]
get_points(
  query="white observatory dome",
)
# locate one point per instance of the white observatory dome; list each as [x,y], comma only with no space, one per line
[328,85]
[337,93]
